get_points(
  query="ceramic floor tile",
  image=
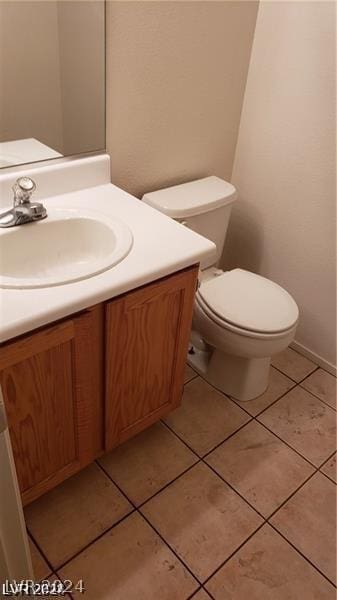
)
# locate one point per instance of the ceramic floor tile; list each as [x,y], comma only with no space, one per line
[329,468]
[279,384]
[308,520]
[323,385]
[304,422]
[70,516]
[130,562]
[293,364]
[147,462]
[40,567]
[201,595]
[202,519]
[189,374]
[268,568]
[260,467]
[206,417]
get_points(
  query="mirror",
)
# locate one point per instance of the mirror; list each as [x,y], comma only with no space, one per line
[52,79]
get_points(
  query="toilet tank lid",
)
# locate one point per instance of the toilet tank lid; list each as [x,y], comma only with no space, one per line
[192,198]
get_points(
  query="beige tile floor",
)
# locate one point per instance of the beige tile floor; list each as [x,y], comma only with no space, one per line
[224,500]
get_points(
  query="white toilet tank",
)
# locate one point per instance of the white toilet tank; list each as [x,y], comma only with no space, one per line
[203,205]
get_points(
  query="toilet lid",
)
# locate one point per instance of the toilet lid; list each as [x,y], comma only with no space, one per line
[249,301]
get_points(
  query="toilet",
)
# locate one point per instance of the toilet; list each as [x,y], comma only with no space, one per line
[240,319]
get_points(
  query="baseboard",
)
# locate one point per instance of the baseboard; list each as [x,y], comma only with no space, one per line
[321,362]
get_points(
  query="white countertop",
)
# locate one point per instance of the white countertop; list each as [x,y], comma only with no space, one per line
[161,246]
[17,152]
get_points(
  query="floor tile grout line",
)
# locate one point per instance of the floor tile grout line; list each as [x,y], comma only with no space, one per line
[213,448]
[287,444]
[191,596]
[227,438]
[255,418]
[266,522]
[324,463]
[327,476]
[137,506]
[225,395]
[329,458]
[202,584]
[239,405]
[208,592]
[181,560]
[202,459]
[107,474]
[266,407]
[292,379]
[188,380]
[301,553]
[316,469]
[232,554]
[180,439]
[129,513]
[313,362]
[168,484]
[94,540]
[68,593]
[292,494]
[39,549]
[234,490]
[317,397]
[137,510]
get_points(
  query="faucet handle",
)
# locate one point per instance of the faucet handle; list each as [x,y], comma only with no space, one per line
[23,189]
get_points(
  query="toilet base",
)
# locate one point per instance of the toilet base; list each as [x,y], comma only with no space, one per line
[242,378]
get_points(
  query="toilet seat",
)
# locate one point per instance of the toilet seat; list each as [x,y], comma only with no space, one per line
[247,303]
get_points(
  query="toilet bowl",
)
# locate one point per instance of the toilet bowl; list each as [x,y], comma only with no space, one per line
[240,319]
[244,319]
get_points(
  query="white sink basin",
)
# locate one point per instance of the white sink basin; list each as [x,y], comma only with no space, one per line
[67,246]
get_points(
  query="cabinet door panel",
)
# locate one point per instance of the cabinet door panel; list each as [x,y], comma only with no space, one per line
[52,387]
[146,345]
[39,405]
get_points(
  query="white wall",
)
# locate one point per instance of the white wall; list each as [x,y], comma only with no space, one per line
[284,224]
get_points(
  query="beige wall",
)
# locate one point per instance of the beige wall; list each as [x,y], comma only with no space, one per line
[52,73]
[176,73]
[82,69]
[30,96]
[284,224]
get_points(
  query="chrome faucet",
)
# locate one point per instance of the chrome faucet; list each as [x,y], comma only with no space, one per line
[23,211]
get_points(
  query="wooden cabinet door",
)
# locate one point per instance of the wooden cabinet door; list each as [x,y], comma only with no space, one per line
[147,333]
[52,387]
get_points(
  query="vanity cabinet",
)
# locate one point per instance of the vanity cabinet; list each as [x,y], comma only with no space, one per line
[76,389]
[147,334]
[52,386]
